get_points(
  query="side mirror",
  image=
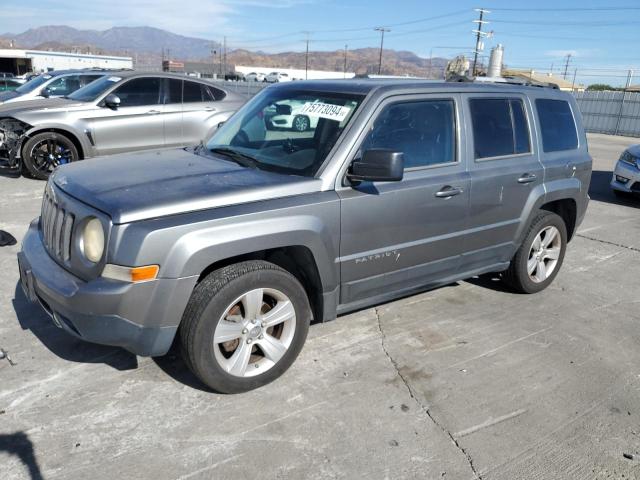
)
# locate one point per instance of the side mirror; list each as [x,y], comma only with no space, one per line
[378,165]
[283,109]
[112,101]
[45,92]
[220,124]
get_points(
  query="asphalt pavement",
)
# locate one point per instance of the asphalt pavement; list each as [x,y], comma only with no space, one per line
[468,381]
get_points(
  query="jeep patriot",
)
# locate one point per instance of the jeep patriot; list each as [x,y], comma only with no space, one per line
[235,246]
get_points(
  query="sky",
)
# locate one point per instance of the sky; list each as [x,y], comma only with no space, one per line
[602,36]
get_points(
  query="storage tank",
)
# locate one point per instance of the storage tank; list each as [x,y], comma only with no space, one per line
[495,61]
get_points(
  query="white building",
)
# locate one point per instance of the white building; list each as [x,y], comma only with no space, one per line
[20,62]
[296,73]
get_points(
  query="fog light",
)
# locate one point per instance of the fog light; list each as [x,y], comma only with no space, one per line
[621,179]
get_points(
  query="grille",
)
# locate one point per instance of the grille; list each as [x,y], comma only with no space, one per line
[57,225]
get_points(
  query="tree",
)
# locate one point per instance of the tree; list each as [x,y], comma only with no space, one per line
[599,87]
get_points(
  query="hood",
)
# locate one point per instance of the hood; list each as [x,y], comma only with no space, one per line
[634,150]
[4,96]
[11,109]
[139,186]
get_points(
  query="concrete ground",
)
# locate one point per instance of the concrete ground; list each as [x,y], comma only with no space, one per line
[465,382]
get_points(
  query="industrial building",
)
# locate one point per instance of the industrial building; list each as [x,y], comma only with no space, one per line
[19,62]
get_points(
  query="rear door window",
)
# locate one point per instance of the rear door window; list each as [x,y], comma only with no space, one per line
[500,127]
[193,92]
[174,91]
[557,125]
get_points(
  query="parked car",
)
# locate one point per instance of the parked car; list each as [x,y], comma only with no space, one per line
[626,175]
[275,77]
[53,84]
[288,115]
[234,76]
[239,244]
[6,75]
[255,77]
[9,84]
[120,112]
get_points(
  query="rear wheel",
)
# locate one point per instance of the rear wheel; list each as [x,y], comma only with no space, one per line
[244,326]
[43,152]
[539,258]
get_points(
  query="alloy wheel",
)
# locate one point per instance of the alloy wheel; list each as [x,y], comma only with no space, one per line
[544,254]
[255,332]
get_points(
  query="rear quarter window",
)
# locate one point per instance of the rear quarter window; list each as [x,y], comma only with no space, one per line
[557,125]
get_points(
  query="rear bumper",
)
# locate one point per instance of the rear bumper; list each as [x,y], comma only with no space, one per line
[142,318]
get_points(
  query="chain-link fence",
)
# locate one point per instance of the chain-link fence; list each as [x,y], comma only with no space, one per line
[248,89]
[613,113]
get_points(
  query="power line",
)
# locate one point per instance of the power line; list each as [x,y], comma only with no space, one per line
[574,9]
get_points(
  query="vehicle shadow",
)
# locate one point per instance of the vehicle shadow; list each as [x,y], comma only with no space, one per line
[173,365]
[600,190]
[18,444]
[31,317]
[491,281]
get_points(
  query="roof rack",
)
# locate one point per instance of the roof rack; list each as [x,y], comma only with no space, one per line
[510,80]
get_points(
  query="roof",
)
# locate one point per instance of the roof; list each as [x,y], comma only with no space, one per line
[364,86]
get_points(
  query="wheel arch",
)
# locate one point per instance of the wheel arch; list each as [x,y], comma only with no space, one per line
[298,260]
[67,133]
[567,209]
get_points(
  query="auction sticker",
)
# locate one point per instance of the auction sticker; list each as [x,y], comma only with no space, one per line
[325,110]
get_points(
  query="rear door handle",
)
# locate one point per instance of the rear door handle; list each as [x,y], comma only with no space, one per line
[449,191]
[153,112]
[210,109]
[527,178]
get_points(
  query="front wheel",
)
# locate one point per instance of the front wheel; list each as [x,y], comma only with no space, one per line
[539,258]
[244,326]
[301,123]
[43,152]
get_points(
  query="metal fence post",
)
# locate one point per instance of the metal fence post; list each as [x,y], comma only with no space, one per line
[624,98]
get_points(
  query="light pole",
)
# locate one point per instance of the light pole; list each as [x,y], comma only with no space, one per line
[382,31]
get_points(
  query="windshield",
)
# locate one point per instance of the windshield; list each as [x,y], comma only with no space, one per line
[287,131]
[34,83]
[96,88]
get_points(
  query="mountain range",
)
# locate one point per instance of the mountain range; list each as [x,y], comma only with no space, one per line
[149,45]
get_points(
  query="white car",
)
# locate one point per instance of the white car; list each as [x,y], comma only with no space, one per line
[295,120]
[275,77]
[255,77]
[626,175]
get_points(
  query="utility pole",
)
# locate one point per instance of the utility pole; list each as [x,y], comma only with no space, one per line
[479,34]
[345,61]
[382,31]
[573,84]
[566,65]
[220,59]
[306,57]
[224,49]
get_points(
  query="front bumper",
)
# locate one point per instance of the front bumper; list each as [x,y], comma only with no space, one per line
[140,317]
[631,173]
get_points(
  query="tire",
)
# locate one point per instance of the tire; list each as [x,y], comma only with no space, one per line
[213,349]
[300,123]
[519,275]
[43,152]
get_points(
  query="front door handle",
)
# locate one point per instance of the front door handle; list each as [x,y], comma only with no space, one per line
[527,178]
[153,112]
[449,191]
[210,109]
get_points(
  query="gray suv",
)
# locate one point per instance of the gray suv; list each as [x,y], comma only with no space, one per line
[123,111]
[236,246]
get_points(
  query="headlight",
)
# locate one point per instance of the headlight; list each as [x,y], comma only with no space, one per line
[92,241]
[626,157]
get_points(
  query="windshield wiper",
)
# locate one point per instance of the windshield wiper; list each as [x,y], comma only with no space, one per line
[240,158]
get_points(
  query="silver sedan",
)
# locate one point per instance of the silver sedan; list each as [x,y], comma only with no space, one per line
[626,176]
